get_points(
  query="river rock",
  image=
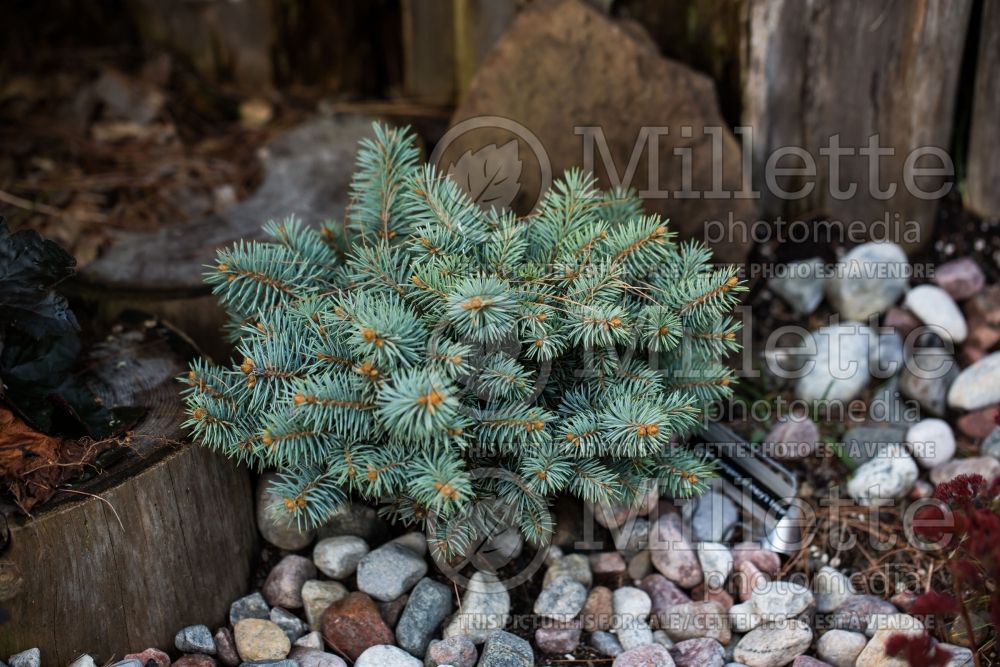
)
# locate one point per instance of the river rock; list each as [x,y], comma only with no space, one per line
[663,592]
[250,606]
[839,369]
[855,612]
[781,599]
[874,655]
[195,639]
[428,605]
[561,600]
[978,385]
[631,609]
[315,657]
[927,376]
[389,571]
[884,479]
[716,563]
[353,624]
[938,310]
[801,285]
[338,557]
[763,559]
[386,656]
[931,441]
[840,648]
[457,651]
[711,516]
[960,278]
[558,639]
[794,437]
[273,521]
[831,588]
[283,587]
[991,444]
[672,555]
[597,610]
[696,620]
[865,442]
[225,647]
[317,596]
[290,624]
[652,655]
[502,649]
[606,643]
[986,466]
[773,645]
[257,639]
[485,608]
[574,566]
[869,279]
[698,653]
[355,519]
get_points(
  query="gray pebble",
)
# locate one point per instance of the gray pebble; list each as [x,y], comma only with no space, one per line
[429,604]
[195,639]
[561,600]
[389,571]
[502,649]
[801,285]
[293,626]
[338,557]
[251,606]
[30,658]
[606,643]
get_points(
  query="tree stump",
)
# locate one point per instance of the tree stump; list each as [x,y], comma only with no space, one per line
[164,539]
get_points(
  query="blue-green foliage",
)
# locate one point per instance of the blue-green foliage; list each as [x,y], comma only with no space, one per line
[559,353]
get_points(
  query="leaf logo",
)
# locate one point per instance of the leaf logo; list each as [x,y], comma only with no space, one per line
[490,176]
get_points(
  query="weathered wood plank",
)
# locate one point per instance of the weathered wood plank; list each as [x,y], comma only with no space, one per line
[984,140]
[854,69]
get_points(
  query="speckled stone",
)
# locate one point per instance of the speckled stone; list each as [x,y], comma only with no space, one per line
[225,647]
[338,557]
[561,600]
[257,639]
[429,604]
[574,566]
[856,611]
[386,656]
[502,649]
[251,606]
[698,653]
[195,639]
[457,651]
[389,571]
[606,643]
[313,657]
[485,608]
[773,645]
[283,587]
[672,555]
[696,620]
[597,610]
[841,648]
[317,596]
[652,655]
[558,640]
